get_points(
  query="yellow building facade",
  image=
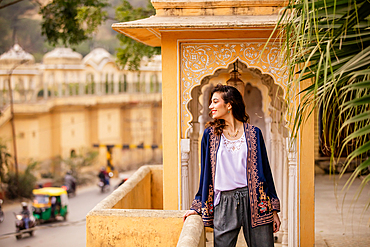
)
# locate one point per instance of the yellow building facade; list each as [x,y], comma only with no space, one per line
[70,104]
[202,42]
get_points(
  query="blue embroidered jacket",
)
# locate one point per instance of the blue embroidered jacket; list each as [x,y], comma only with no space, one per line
[262,195]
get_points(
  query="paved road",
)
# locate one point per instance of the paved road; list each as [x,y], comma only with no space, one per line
[341,221]
[71,233]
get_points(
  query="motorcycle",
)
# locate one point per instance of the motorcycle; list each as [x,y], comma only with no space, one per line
[21,226]
[1,211]
[103,185]
[71,190]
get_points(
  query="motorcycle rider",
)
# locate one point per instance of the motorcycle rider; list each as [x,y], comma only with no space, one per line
[1,211]
[70,181]
[25,214]
[103,175]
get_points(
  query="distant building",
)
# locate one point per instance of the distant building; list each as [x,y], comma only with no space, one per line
[68,103]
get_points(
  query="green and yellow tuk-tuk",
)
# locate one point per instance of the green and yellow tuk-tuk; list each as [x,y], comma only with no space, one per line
[50,203]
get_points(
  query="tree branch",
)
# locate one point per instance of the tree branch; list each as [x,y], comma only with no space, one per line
[9,4]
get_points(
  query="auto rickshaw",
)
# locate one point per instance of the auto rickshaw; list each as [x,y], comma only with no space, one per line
[50,203]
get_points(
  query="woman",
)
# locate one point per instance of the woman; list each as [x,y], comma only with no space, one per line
[236,187]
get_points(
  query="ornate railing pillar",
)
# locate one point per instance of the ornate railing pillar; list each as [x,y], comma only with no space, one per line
[185,150]
[81,85]
[46,90]
[284,201]
[292,197]
[267,135]
[116,81]
[194,160]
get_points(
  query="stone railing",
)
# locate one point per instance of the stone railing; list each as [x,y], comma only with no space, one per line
[62,90]
[193,233]
[132,216]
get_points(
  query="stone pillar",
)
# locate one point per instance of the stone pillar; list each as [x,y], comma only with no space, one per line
[148,83]
[33,88]
[110,82]
[66,84]
[278,176]
[73,84]
[60,84]
[45,89]
[292,195]
[102,84]
[268,121]
[116,80]
[274,150]
[90,80]
[81,85]
[194,160]
[25,87]
[185,149]
[97,84]
[284,201]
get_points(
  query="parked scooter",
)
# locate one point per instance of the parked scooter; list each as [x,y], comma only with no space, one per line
[1,211]
[25,222]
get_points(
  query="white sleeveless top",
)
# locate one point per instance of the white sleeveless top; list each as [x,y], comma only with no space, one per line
[231,166]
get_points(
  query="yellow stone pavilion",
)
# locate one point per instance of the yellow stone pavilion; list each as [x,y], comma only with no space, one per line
[205,43]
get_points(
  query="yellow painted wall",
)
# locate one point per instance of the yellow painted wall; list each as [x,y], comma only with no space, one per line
[306,183]
[116,221]
[170,122]
[142,230]
[139,197]
[73,136]
[156,188]
[46,135]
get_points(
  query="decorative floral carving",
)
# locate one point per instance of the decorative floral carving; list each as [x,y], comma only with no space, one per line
[200,60]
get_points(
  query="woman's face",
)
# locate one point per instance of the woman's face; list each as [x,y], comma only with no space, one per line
[218,107]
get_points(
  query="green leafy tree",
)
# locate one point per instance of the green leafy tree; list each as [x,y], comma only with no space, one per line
[71,21]
[4,161]
[131,52]
[327,42]
[13,20]
[26,182]
[77,161]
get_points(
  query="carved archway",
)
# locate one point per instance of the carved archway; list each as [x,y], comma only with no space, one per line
[205,67]
[200,60]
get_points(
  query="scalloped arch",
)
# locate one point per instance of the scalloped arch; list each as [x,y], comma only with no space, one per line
[200,61]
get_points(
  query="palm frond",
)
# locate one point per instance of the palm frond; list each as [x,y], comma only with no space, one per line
[327,43]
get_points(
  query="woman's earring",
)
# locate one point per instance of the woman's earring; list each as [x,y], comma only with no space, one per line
[228,111]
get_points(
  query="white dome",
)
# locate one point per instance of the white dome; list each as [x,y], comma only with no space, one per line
[154,63]
[97,58]
[62,55]
[16,54]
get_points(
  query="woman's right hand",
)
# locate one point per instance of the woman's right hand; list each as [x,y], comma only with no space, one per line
[189,212]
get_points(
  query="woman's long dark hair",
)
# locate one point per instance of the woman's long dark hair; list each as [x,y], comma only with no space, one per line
[230,95]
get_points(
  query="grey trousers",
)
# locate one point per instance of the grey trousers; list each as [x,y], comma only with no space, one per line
[231,214]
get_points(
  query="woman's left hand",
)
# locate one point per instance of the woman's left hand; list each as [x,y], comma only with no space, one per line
[276,221]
